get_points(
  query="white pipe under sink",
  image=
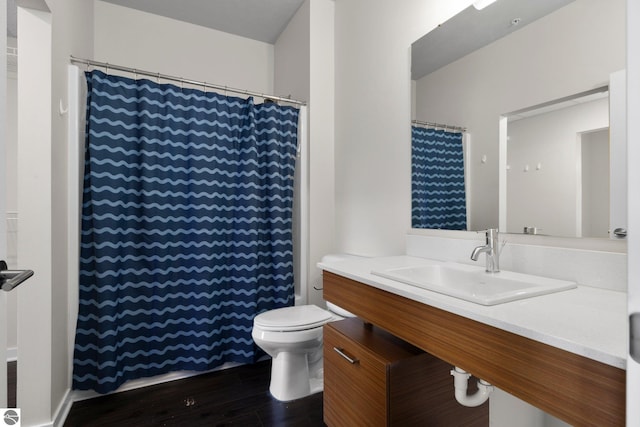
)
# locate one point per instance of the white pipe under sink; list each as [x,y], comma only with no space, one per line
[460,380]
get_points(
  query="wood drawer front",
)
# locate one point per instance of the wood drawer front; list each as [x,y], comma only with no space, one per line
[354,393]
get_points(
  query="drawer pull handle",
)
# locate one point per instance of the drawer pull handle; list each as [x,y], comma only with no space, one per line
[341,352]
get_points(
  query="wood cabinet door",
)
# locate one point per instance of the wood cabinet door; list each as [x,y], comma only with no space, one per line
[355,391]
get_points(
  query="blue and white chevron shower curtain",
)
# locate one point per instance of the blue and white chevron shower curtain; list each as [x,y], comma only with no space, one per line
[186,228]
[437,180]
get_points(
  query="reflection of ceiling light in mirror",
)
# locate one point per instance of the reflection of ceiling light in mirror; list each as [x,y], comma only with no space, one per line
[481,4]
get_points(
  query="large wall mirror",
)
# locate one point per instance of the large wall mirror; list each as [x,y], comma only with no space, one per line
[509,75]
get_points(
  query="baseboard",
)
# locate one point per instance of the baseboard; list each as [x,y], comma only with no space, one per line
[63,409]
[79,395]
[73,396]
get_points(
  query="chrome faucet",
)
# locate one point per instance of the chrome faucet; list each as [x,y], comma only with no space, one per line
[491,249]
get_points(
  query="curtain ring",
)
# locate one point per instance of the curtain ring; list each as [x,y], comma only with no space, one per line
[135,74]
[158,78]
[204,87]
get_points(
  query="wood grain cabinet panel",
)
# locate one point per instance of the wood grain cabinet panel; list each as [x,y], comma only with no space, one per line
[373,378]
[576,389]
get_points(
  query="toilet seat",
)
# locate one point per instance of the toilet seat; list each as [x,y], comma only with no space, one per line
[290,319]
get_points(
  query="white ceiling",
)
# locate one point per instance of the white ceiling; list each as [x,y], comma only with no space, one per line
[261,20]
[264,20]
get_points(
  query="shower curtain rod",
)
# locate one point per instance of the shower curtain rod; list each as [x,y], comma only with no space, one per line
[438,125]
[107,66]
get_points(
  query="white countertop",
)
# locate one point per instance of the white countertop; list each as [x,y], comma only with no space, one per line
[591,322]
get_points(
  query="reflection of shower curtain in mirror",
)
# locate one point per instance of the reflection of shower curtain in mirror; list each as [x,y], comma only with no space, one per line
[437,180]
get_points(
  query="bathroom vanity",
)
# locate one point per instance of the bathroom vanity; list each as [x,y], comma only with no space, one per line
[561,353]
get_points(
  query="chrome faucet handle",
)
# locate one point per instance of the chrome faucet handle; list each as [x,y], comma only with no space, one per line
[491,235]
[488,231]
[502,245]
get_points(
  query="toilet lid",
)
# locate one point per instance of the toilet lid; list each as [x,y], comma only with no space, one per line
[292,318]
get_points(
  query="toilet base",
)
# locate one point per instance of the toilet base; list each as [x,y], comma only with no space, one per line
[316,385]
[290,378]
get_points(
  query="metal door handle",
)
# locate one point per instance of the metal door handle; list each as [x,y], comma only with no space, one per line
[10,279]
[341,352]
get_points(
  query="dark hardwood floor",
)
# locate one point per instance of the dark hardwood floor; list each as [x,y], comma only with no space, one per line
[238,396]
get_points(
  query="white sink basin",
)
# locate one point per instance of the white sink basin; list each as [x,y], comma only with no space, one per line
[474,284]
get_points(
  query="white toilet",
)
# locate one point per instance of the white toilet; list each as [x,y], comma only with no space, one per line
[292,336]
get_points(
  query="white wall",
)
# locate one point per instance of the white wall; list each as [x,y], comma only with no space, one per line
[372,118]
[47,36]
[321,136]
[291,62]
[595,184]
[154,43]
[11,133]
[550,141]
[570,51]
[292,56]
[304,64]
[72,35]
[11,148]
[35,324]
